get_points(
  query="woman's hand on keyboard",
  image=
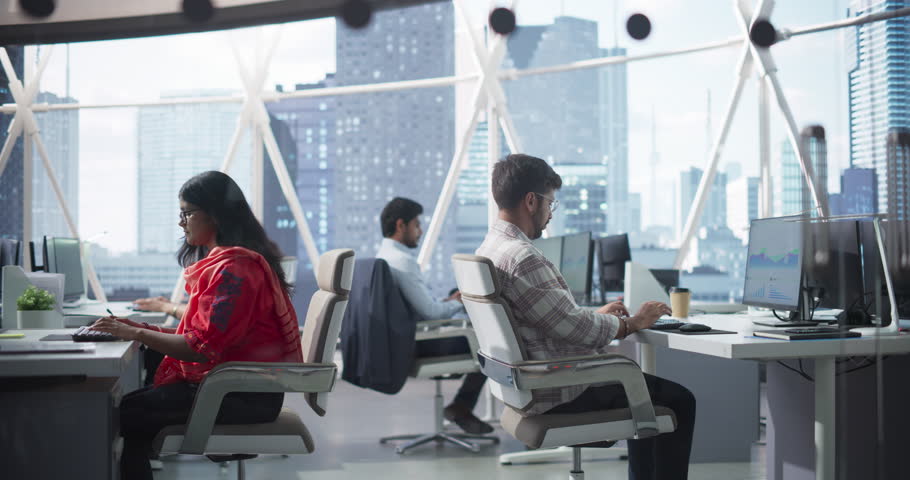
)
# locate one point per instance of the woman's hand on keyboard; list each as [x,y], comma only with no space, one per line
[118,327]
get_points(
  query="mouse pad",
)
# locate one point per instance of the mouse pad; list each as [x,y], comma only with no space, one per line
[709,332]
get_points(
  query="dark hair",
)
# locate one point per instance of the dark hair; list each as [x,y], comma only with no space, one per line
[518,174]
[219,196]
[399,208]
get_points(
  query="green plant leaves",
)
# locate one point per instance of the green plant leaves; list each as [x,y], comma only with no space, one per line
[35,298]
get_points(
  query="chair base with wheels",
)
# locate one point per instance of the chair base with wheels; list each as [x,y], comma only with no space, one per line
[440,435]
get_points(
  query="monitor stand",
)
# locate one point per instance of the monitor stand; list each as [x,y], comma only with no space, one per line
[773,322]
[74,302]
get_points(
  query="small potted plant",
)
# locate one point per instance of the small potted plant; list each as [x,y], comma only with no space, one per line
[36,309]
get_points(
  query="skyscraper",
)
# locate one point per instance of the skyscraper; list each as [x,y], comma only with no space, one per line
[11,177]
[715,211]
[312,125]
[614,118]
[815,146]
[858,192]
[567,128]
[60,135]
[879,86]
[473,186]
[788,191]
[898,171]
[277,219]
[395,143]
[742,204]
[176,142]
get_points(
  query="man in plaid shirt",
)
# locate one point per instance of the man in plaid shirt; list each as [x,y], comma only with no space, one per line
[551,325]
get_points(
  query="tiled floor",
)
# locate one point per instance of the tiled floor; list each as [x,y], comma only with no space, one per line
[347,447]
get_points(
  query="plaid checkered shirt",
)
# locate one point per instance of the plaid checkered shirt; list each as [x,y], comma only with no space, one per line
[547,319]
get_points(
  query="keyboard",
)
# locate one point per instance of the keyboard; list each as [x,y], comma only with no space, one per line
[666,324]
[86,334]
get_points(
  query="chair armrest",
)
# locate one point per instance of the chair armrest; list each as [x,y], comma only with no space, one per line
[444,322]
[564,372]
[444,332]
[248,377]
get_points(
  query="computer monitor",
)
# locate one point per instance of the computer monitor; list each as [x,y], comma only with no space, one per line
[774,263]
[667,277]
[576,265]
[896,237]
[832,263]
[63,255]
[551,248]
[614,252]
[10,252]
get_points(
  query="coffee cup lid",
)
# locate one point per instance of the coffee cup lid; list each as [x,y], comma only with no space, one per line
[679,290]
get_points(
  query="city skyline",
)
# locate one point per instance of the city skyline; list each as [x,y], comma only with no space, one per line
[538,14]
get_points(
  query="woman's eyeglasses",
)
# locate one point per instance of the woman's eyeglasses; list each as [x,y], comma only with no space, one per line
[186,213]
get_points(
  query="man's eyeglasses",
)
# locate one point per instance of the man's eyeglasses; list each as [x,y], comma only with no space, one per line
[554,203]
[186,213]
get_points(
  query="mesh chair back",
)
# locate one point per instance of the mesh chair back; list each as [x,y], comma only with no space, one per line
[492,320]
[326,309]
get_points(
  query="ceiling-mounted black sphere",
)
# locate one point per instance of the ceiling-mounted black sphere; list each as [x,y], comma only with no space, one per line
[763,33]
[639,26]
[198,10]
[356,13]
[38,8]
[502,20]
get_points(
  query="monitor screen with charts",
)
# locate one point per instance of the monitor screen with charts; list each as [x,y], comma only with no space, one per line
[576,264]
[774,263]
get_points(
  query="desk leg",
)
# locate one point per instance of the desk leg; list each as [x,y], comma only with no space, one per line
[648,358]
[824,418]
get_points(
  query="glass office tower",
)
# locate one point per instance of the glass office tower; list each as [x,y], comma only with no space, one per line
[879,86]
[11,178]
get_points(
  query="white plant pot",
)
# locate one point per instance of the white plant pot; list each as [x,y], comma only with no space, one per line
[39,319]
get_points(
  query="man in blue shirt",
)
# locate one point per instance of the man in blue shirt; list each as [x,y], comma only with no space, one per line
[401,231]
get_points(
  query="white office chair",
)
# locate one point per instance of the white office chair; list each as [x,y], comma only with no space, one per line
[316,377]
[503,359]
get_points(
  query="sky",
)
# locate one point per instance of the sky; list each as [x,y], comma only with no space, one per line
[810,68]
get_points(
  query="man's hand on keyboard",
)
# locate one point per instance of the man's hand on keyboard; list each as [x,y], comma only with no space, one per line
[648,314]
[118,327]
[614,308]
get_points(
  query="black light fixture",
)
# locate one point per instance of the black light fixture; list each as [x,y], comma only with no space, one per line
[502,20]
[198,10]
[356,13]
[38,8]
[763,34]
[639,26]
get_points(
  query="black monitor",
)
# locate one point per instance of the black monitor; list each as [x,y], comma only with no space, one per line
[774,264]
[576,264]
[62,255]
[551,248]
[10,252]
[666,277]
[896,237]
[832,263]
[614,252]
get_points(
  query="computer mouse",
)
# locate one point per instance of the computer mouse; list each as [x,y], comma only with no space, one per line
[694,327]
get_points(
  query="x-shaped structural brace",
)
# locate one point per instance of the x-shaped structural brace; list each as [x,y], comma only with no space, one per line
[488,89]
[767,70]
[24,123]
[253,115]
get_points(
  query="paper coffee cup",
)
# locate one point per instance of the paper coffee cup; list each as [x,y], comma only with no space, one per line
[679,301]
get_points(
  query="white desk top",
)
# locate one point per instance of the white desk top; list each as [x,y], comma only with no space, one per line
[88,312]
[743,345]
[109,359]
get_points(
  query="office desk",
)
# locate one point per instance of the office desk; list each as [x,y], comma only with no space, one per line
[58,410]
[744,346]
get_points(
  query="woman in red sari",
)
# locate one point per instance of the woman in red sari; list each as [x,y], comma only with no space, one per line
[239,310]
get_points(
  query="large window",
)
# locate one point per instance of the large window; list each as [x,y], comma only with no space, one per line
[631,140]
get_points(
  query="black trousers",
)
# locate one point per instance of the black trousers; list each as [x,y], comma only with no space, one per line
[664,457]
[473,382]
[146,411]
